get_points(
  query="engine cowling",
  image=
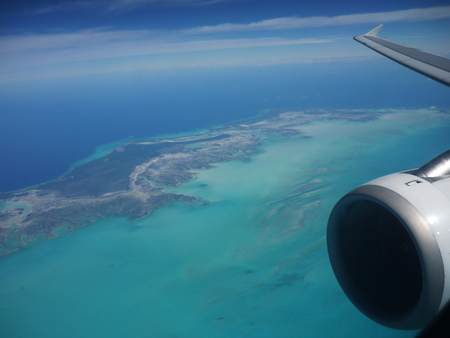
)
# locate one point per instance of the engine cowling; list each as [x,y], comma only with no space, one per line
[389,245]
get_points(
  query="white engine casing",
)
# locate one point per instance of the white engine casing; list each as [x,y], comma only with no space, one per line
[389,246]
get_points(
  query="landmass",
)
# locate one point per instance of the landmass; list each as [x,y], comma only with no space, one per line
[130,181]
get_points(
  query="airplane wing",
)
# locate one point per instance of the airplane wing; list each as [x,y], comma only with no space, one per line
[433,66]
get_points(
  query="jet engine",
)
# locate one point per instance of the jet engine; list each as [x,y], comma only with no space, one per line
[389,245]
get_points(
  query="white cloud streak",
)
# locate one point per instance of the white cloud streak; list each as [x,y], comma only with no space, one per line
[133,4]
[416,14]
[68,55]
[96,44]
[119,5]
[67,6]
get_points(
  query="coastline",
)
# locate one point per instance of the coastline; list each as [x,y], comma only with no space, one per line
[135,179]
[252,258]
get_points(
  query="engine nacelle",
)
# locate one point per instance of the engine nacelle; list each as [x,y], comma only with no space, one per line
[389,245]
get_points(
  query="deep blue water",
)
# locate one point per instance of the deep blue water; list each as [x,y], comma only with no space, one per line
[47,125]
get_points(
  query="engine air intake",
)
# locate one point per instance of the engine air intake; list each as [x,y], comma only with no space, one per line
[385,257]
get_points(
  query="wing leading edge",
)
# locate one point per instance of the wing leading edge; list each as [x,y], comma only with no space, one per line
[433,66]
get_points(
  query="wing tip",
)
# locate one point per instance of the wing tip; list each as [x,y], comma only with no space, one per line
[375,31]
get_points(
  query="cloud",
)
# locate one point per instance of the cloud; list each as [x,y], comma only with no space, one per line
[73,41]
[98,44]
[417,14]
[133,4]
[119,5]
[81,49]
[68,6]
[35,53]
[94,51]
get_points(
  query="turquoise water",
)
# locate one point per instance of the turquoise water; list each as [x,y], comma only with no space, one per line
[251,263]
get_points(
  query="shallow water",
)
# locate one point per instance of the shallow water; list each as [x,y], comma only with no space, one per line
[251,263]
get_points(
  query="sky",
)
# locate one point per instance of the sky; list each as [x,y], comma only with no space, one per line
[64,39]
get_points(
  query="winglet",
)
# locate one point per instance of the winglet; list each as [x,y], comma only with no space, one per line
[375,31]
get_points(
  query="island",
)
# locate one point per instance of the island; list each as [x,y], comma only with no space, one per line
[130,181]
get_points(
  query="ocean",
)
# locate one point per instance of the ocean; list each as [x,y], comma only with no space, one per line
[251,263]
[46,126]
